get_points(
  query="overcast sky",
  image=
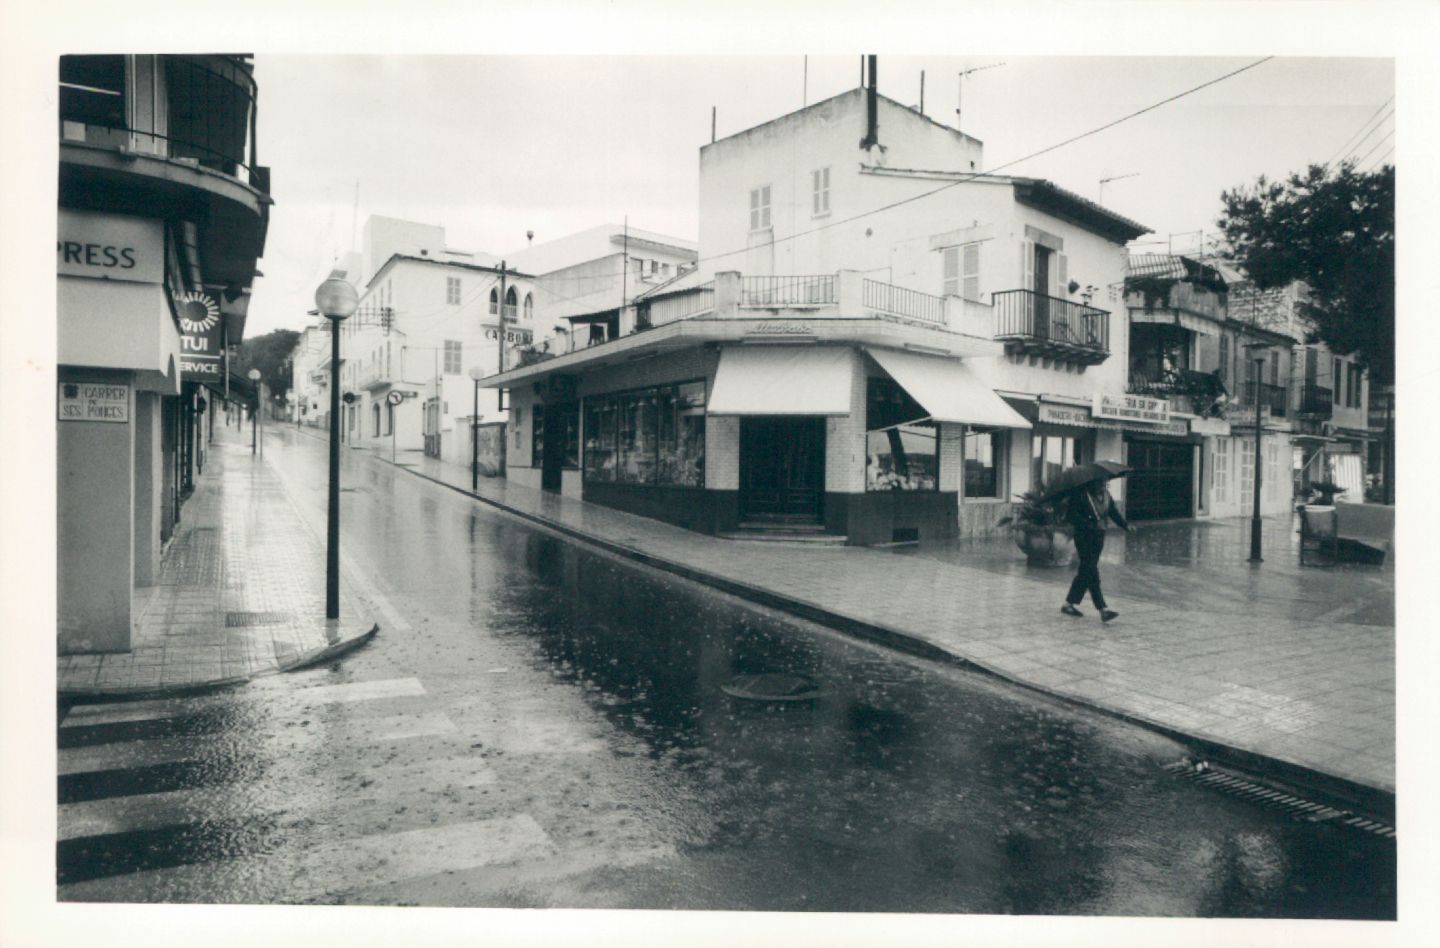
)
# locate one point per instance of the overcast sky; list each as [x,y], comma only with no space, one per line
[493,146]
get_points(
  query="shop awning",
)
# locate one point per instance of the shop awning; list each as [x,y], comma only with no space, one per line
[948,390]
[1174,317]
[783,380]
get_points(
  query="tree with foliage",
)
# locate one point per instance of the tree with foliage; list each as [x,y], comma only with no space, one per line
[270,354]
[1333,228]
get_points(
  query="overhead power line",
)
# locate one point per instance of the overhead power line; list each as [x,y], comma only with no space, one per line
[1352,140]
[1382,141]
[979,174]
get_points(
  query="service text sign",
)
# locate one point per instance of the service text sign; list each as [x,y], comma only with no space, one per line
[110,247]
[94,401]
[202,340]
[1131,408]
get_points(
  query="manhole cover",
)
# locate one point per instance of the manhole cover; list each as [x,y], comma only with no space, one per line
[772,686]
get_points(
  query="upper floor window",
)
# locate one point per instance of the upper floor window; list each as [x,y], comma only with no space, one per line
[760,207]
[529,306]
[92,90]
[512,300]
[494,302]
[820,191]
[452,357]
[1224,366]
[452,290]
[962,272]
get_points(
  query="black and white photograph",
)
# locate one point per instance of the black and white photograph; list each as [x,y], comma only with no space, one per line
[579,484]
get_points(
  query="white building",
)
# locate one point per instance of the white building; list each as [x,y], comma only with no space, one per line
[583,280]
[880,342]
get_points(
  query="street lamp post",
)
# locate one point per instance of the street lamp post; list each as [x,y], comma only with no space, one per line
[254,376]
[476,373]
[336,300]
[1258,351]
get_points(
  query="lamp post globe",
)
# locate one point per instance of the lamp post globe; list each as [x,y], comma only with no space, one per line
[336,300]
[254,376]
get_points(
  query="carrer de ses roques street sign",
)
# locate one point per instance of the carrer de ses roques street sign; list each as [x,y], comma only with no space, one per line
[202,343]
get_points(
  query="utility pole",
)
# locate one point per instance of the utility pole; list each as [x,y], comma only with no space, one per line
[500,338]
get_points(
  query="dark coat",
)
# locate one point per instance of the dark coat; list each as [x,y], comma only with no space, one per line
[1085,514]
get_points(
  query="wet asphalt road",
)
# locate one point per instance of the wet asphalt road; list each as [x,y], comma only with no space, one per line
[545,727]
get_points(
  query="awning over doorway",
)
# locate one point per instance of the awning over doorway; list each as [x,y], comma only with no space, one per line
[948,390]
[783,380]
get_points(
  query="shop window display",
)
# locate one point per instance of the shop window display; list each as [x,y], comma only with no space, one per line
[984,451]
[1051,454]
[650,436]
[902,447]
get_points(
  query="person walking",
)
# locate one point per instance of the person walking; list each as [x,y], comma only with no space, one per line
[1086,509]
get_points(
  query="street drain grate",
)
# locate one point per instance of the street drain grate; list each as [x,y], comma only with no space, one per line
[1305,811]
[245,620]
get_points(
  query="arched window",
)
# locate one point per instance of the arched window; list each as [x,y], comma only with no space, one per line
[512,301]
[375,411]
[529,306]
[494,301]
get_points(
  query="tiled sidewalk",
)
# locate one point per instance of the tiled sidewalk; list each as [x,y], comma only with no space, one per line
[241,593]
[1275,666]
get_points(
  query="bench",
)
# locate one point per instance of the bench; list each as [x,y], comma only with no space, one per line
[1364,531]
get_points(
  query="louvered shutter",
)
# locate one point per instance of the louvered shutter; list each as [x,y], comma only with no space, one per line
[1027,265]
[1062,277]
[951,283]
[970,273]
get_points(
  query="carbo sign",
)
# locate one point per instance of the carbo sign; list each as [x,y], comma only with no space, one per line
[94,401]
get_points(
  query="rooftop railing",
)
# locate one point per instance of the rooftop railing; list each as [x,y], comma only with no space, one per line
[788,290]
[900,301]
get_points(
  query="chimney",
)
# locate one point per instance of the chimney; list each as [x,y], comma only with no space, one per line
[872,137]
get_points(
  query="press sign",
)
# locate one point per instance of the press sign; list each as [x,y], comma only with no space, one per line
[94,401]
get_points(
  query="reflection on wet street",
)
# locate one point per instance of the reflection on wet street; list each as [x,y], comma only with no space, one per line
[550,730]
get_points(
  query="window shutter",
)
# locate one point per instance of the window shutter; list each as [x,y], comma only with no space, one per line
[951,284]
[1062,278]
[971,273]
[1027,265]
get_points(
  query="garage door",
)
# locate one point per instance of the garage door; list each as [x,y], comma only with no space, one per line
[1161,483]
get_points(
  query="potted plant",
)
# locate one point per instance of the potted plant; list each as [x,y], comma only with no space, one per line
[1038,531]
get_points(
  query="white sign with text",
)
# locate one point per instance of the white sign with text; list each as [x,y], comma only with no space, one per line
[94,401]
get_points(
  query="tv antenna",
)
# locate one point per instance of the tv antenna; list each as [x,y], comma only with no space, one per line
[1100,197]
[960,92]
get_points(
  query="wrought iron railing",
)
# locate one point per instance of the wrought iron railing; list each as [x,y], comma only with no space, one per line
[788,290]
[901,301]
[682,305]
[209,118]
[1272,397]
[1315,400]
[1027,315]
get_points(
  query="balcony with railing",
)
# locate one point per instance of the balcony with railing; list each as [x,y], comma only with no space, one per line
[1031,323]
[679,305]
[195,110]
[886,299]
[1272,398]
[790,292]
[1315,402]
[1187,389]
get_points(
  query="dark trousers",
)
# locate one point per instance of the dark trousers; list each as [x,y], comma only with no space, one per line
[1088,545]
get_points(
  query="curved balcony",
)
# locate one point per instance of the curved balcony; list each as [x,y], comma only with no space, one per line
[172,137]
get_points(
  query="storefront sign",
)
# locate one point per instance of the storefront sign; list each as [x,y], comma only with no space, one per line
[110,247]
[1214,427]
[94,401]
[1078,416]
[513,336]
[781,328]
[1074,415]
[202,345]
[1131,408]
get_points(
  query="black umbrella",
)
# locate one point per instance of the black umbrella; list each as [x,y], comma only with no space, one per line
[1082,474]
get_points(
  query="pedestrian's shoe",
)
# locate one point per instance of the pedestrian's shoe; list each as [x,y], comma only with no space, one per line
[1107,614]
[1070,610]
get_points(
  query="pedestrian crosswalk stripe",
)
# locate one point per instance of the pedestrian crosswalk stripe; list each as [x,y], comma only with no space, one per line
[146,811]
[86,715]
[312,874]
[399,726]
[114,756]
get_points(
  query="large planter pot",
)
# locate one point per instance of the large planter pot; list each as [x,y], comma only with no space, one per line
[1045,546]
